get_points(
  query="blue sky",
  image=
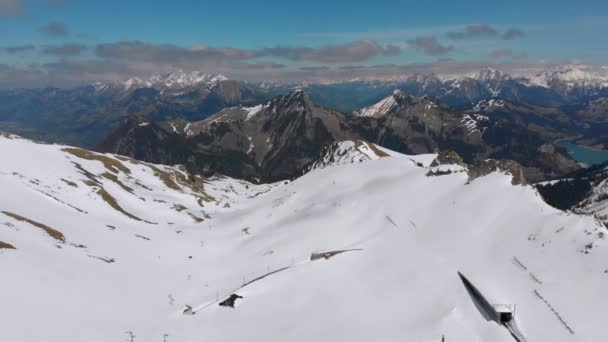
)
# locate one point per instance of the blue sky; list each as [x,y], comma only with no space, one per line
[39,34]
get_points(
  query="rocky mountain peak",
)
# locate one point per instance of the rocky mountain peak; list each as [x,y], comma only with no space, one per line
[424,79]
[296,99]
[396,99]
[491,74]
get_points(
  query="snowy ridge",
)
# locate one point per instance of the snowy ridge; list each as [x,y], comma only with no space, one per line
[253,111]
[381,108]
[571,76]
[175,80]
[490,74]
[349,152]
[391,241]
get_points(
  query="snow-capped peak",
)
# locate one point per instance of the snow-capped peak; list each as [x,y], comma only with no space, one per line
[176,80]
[489,74]
[571,76]
[183,79]
[382,107]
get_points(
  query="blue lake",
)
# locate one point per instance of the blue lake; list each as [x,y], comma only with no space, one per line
[584,154]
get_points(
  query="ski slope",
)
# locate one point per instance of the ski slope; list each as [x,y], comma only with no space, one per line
[182,241]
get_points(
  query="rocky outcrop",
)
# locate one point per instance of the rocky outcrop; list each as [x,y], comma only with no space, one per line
[448,157]
[488,166]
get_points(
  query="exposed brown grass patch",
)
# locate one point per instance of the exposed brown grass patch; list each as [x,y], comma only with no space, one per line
[111,201]
[177,180]
[106,260]
[178,207]
[55,234]
[174,179]
[72,184]
[4,245]
[378,151]
[165,177]
[91,178]
[112,177]
[109,163]
[196,218]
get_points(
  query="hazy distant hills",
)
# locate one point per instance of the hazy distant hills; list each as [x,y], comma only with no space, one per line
[85,115]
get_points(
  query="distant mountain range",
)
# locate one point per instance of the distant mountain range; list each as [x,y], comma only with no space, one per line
[546,89]
[280,138]
[83,116]
[271,131]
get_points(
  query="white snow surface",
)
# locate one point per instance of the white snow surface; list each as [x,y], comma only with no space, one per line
[414,233]
[252,111]
[381,108]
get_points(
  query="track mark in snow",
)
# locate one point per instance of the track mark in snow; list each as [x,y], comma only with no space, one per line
[519,264]
[106,260]
[559,318]
[535,278]
[142,237]
[62,202]
[389,219]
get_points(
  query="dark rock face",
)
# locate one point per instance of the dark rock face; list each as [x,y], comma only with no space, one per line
[490,165]
[585,191]
[230,301]
[591,122]
[448,157]
[415,125]
[274,143]
[279,139]
[480,168]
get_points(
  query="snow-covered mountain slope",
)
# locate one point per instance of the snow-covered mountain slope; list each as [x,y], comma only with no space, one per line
[571,76]
[387,240]
[382,107]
